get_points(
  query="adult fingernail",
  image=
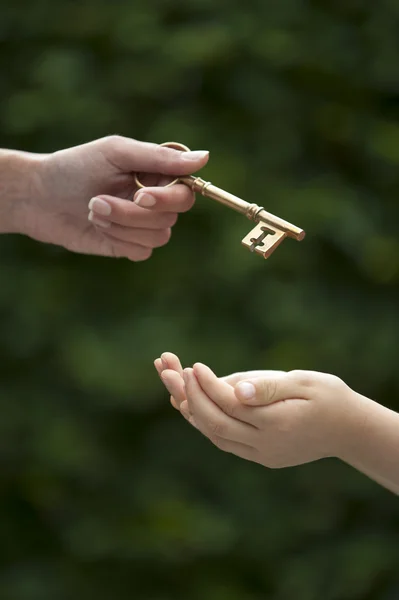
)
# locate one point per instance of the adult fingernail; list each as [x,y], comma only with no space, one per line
[194,155]
[145,200]
[246,390]
[98,222]
[99,206]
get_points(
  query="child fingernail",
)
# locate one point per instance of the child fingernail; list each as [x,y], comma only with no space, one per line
[145,200]
[97,221]
[246,390]
[185,413]
[99,206]
[165,382]
[194,155]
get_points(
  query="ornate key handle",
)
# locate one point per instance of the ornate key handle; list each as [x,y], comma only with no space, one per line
[270,230]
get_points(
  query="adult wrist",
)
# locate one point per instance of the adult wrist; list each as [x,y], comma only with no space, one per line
[20,188]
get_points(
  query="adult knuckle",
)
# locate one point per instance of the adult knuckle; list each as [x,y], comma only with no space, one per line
[142,254]
[169,220]
[157,238]
[123,210]
[110,247]
[187,198]
[112,147]
[163,157]
[164,220]
[163,237]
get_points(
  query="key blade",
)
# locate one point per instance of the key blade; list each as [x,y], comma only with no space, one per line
[263,239]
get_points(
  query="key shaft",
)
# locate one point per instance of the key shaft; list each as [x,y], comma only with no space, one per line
[252,211]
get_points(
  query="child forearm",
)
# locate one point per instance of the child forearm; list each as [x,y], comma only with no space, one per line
[286,419]
[373,442]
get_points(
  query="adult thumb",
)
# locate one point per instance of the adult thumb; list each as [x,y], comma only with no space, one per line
[273,386]
[132,155]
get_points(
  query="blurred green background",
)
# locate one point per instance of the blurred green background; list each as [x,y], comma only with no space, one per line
[105,492]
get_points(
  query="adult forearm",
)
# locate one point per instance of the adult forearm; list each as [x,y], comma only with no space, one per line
[19,187]
[373,445]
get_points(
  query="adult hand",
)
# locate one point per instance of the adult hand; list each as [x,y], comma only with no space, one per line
[81,198]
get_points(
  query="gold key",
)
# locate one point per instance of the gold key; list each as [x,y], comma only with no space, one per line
[270,230]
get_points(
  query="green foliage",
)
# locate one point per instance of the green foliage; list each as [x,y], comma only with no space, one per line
[105,492]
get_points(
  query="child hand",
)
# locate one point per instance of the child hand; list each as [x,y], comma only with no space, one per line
[170,370]
[274,418]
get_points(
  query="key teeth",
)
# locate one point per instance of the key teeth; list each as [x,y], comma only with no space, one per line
[263,239]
